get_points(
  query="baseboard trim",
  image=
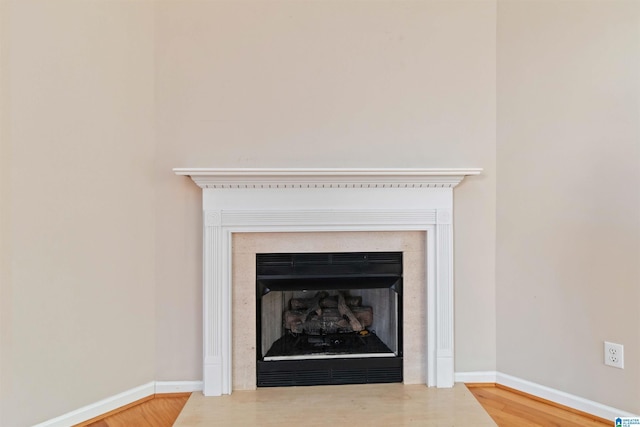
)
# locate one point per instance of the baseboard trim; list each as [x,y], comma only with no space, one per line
[119,400]
[556,396]
[562,398]
[166,387]
[101,407]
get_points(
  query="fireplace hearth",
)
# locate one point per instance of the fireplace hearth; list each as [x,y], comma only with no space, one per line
[328,318]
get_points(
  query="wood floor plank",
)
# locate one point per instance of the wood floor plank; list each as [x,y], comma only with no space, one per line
[548,411]
[520,407]
[161,411]
[510,408]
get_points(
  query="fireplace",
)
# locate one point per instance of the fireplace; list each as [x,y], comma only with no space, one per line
[328,318]
[284,201]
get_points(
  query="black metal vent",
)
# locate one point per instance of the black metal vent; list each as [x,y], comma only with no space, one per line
[347,270]
[349,376]
[384,375]
[361,259]
[329,371]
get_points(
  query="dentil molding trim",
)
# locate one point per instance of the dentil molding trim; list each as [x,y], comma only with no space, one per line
[326,177]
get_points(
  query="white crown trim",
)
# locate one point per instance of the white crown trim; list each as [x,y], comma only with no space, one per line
[326,177]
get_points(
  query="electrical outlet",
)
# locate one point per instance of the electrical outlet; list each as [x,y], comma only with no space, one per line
[614,355]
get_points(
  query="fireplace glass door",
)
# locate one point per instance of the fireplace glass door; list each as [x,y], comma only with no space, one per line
[329,318]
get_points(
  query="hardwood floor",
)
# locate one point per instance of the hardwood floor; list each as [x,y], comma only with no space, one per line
[509,407]
[506,406]
[159,411]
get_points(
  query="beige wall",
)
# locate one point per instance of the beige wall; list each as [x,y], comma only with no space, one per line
[100,243]
[77,223]
[5,224]
[568,244]
[323,84]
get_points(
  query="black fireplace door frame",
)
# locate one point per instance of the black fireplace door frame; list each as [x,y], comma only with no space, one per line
[328,271]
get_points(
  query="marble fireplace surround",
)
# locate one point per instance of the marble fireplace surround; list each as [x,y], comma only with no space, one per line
[325,200]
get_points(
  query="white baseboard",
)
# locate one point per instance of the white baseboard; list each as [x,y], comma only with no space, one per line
[178,386]
[101,407]
[566,399]
[121,399]
[556,396]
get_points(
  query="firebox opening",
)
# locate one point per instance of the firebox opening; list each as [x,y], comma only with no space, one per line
[329,318]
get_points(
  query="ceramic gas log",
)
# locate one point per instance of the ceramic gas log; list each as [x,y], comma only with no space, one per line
[327,314]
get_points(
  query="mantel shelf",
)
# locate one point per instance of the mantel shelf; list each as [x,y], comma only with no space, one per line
[326,177]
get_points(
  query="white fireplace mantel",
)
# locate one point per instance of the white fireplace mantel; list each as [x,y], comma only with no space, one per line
[318,177]
[317,200]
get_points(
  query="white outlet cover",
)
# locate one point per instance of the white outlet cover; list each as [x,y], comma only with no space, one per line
[614,355]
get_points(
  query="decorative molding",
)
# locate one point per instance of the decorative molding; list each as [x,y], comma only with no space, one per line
[212,218]
[101,407]
[217,298]
[444,216]
[345,217]
[214,327]
[444,301]
[326,177]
